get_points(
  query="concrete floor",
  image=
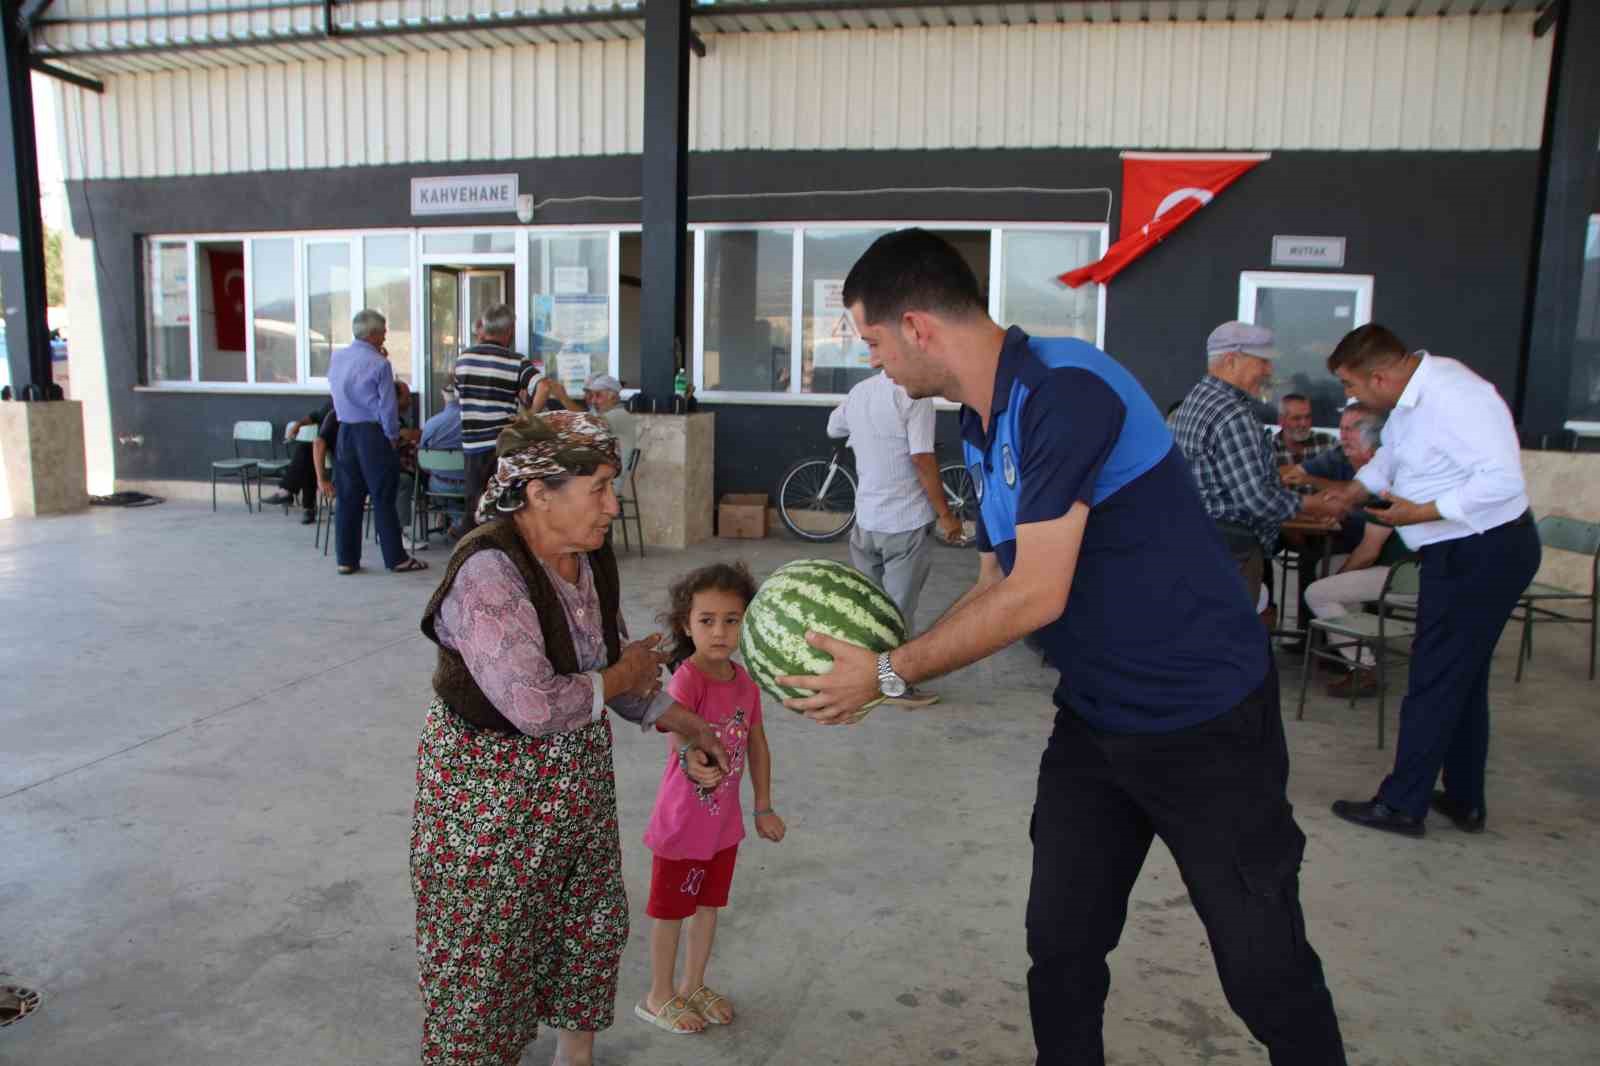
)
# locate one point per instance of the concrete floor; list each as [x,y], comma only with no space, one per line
[205,794]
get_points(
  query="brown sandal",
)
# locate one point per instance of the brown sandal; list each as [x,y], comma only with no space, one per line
[410,566]
[16,1003]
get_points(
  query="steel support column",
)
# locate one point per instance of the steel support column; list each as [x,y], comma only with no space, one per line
[1569,173]
[665,211]
[21,229]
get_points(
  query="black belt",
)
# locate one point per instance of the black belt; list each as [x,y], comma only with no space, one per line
[1523,519]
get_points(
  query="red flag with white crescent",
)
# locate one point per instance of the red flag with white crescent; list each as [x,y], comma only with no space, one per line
[1160,190]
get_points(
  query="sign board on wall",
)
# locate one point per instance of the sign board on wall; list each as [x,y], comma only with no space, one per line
[464,194]
[835,343]
[1307,251]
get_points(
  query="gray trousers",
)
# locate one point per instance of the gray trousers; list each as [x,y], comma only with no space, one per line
[898,563]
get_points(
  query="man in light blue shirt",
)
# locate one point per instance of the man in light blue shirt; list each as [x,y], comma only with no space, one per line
[442,433]
[367,464]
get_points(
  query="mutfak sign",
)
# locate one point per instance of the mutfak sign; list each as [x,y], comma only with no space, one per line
[465,194]
[1307,251]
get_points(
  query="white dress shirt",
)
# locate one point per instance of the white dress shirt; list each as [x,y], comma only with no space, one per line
[886,428]
[1450,441]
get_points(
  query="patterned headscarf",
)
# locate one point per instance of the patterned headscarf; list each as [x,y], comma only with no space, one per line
[538,446]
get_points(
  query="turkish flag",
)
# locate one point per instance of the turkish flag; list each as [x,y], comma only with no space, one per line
[227,297]
[1159,192]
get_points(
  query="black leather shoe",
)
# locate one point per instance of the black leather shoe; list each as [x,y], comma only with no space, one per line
[1468,820]
[1376,814]
[308,518]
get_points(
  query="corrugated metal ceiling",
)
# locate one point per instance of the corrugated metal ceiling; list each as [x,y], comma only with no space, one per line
[104,37]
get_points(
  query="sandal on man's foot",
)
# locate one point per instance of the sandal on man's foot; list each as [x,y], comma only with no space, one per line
[348,569]
[16,1003]
[704,1001]
[670,1017]
[410,566]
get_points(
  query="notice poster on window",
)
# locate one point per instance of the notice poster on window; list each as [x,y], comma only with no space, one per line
[172,309]
[572,370]
[569,280]
[581,322]
[835,344]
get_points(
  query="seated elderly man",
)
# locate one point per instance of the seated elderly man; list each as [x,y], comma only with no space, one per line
[1296,442]
[1217,430]
[602,394]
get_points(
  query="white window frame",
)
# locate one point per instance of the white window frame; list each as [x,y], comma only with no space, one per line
[794,397]
[1251,282]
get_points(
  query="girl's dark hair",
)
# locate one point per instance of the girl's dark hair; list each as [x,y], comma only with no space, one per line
[726,577]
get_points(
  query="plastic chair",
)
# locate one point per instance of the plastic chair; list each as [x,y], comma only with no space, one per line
[329,511]
[241,466]
[1572,535]
[628,503]
[1362,629]
[306,436]
[451,501]
[272,466]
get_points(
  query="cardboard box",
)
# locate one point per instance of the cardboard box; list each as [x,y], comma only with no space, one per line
[742,515]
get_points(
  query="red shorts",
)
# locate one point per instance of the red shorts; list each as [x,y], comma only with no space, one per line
[678,886]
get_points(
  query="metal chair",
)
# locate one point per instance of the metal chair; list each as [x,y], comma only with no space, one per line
[329,510]
[242,466]
[432,461]
[1362,629]
[629,502]
[1582,538]
[306,436]
[271,466]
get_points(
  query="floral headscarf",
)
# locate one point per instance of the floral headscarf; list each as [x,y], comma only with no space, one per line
[538,446]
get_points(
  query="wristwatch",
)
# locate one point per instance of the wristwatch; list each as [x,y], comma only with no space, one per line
[890,683]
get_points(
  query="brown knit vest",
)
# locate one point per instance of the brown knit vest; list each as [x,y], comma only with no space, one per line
[451,679]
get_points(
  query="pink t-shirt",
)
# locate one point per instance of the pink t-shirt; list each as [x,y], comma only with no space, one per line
[684,824]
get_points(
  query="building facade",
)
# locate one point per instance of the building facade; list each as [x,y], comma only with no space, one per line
[247,180]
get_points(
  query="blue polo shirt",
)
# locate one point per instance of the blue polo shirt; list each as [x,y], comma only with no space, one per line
[1159,633]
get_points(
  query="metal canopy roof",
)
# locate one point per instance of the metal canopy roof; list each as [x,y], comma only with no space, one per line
[103,37]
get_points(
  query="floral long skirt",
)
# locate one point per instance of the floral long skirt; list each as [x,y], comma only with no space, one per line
[517,871]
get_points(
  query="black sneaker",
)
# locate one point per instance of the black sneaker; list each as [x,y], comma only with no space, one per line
[309,518]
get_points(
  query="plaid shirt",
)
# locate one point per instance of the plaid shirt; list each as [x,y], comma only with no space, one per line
[1232,460]
[1314,446]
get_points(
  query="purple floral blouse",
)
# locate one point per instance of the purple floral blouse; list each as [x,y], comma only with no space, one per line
[489,621]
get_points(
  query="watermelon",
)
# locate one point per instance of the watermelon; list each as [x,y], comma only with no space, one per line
[818,595]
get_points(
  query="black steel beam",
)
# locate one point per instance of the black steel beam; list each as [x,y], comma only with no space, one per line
[697,44]
[29,12]
[1546,20]
[71,78]
[1569,186]
[664,215]
[21,229]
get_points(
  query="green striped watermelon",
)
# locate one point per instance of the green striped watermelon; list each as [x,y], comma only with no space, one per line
[818,595]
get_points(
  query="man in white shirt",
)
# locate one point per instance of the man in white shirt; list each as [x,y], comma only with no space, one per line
[898,495]
[1450,471]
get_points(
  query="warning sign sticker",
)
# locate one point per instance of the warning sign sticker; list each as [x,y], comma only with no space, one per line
[835,342]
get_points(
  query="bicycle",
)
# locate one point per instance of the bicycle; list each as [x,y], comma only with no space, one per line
[817,496]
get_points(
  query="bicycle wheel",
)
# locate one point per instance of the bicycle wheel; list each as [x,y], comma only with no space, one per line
[962,496]
[817,500]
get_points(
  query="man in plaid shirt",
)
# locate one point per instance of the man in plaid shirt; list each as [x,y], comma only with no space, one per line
[1296,440]
[1228,450]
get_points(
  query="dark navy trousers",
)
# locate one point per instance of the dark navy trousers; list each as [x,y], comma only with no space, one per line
[1469,588]
[368,465]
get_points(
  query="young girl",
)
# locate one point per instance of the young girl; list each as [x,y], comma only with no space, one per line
[695,833]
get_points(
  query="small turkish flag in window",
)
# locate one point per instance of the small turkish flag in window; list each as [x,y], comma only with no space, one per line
[1160,190]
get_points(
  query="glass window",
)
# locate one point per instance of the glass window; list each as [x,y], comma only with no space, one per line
[1030,295]
[1310,314]
[168,332]
[327,301]
[272,313]
[749,293]
[570,285]
[220,298]
[468,243]
[832,357]
[1584,405]
[388,279]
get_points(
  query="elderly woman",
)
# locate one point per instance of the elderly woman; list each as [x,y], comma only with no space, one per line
[515,859]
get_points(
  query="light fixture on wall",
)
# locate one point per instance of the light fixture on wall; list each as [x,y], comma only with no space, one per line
[525,208]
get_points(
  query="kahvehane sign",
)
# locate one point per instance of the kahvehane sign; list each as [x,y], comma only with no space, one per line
[465,194]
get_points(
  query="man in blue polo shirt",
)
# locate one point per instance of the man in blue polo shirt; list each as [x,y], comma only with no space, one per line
[1168,721]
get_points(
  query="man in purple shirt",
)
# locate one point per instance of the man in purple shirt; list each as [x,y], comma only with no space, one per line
[367,464]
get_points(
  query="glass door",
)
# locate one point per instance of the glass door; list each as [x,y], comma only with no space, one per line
[1310,314]
[444,330]
[481,290]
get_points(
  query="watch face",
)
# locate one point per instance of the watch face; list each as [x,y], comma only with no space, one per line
[892,685]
